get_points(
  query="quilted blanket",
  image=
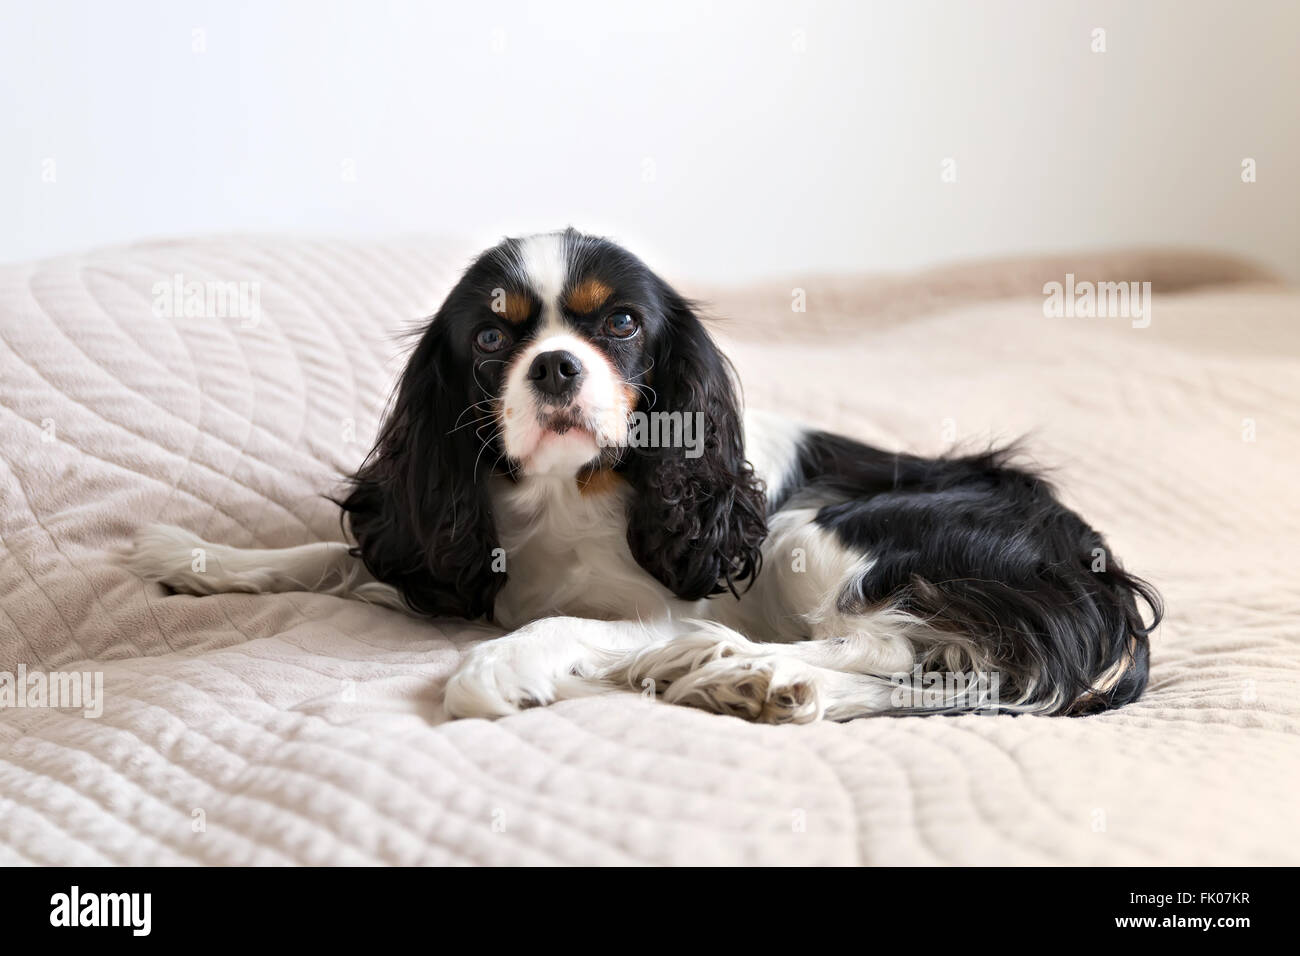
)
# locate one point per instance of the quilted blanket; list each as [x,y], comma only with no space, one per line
[225,385]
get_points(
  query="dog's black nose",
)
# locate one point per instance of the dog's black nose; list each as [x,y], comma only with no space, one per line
[555,374]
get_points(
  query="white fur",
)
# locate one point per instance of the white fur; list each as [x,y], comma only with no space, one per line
[548,660]
[185,562]
[711,666]
[771,442]
[567,553]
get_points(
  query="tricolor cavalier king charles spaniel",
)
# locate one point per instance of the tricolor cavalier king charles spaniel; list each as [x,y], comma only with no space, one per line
[764,570]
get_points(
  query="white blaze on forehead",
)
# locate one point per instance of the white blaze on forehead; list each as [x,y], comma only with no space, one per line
[544,262]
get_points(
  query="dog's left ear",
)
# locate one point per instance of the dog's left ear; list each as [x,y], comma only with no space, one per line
[699,515]
[419,506]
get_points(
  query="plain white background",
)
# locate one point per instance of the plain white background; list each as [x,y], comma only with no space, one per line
[721,140]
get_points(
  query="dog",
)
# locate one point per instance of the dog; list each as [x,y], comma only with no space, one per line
[760,569]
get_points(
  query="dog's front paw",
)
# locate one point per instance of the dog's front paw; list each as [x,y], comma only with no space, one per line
[489,684]
[548,660]
[666,661]
[716,669]
[767,689]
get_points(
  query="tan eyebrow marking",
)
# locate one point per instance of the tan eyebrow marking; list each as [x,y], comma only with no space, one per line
[588,296]
[514,306]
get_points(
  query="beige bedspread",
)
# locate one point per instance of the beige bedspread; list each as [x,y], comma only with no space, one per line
[305,729]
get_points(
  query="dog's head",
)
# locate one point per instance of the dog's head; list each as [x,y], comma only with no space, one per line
[558,356]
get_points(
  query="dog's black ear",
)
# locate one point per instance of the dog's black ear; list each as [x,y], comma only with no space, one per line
[418,507]
[697,521]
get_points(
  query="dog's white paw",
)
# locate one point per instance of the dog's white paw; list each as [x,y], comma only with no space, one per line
[767,689]
[545,661]
[716,669]
[489,683]
[668,660]
[171,556]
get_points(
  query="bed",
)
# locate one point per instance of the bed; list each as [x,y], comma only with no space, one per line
[226,384]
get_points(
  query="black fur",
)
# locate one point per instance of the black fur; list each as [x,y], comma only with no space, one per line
[985,550]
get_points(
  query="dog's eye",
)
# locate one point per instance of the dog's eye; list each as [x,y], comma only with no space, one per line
[490,339]
[621,325]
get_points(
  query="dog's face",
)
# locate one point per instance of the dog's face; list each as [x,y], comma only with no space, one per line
[532,367]
[559,332]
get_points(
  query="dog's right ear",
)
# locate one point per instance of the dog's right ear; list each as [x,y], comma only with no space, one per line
[696,524]
[418,507]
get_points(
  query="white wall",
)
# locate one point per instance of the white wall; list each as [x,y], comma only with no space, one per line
[722,140]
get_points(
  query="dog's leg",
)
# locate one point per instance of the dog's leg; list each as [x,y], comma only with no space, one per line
[551,659]
[714,667]
[698,663]
[821,662]
[817,660]
[185,562]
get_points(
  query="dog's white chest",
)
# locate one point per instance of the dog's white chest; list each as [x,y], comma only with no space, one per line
[566,553]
